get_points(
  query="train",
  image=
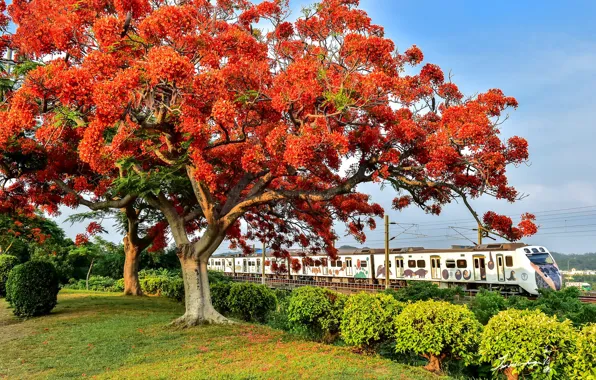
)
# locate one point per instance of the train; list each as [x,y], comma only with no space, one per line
[513,268]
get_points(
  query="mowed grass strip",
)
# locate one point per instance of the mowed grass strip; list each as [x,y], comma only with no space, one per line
[104,335]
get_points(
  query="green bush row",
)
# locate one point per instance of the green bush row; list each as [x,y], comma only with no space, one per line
[249,302]
[526,343]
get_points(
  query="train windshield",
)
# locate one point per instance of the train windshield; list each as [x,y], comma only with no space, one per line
[541,259]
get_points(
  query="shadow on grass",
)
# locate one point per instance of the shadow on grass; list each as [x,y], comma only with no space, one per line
[71,302]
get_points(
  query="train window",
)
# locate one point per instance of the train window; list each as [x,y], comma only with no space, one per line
[258,263]
[349,263]
[450,263]
[211,261]
[412,263]
[462,263]
[509,261]
[363,264]
[338,263]
[421,263]
[542,249]
[535,250]
[333,263]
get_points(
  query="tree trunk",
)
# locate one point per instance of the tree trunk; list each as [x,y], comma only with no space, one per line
[434,364]
[197,295]
[510,375]
[132,253]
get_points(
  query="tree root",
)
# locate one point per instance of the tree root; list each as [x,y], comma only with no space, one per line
[185,321]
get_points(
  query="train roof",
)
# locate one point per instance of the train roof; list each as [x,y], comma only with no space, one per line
[368,251]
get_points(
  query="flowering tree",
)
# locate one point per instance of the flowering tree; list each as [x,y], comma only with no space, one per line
[218,124]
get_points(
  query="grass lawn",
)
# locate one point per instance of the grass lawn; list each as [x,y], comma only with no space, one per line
[105,335]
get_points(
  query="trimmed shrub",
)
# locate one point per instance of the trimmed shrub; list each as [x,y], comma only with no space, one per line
[487,304]
[583,359]
[519,303]
[251,302]
[316,312]
[368,319]
[7,262]
[423,291]
[219,296]
[173,288]
[162,282]
[527,342]
[118,285]
[437,331]
[32,288]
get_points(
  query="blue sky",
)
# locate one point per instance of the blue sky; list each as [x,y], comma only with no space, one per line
[544,54]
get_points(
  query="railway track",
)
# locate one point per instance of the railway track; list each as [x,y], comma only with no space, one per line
[588,299]
[350,287]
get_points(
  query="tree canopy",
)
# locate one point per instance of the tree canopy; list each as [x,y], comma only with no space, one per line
[236,123]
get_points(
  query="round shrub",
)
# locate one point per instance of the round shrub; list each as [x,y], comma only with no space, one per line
[437,330]
[32,288]
[316,312]
[251,302]
[7,262]
[527,342]
[219,296]
[368,319]
[583,359]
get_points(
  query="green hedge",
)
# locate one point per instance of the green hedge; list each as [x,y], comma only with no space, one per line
[98,284]
[251,302]
[7,262]
[32,288]
[220,291]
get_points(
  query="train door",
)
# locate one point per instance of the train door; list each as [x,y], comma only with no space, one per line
[244,266]
[479,268]
[349,268]
[435,267]
[500,268]
[399,266]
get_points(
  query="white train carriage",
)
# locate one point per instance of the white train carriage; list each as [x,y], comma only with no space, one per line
[515,268]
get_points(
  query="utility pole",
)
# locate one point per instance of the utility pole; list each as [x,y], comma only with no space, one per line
[263,263]
[480,232]
[386,251]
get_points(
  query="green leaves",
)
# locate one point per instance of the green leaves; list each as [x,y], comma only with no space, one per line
[368,319]
[248,96]
[583,359]
[531,342]
[340,99]
[439,329]
[317,311]
[251,302]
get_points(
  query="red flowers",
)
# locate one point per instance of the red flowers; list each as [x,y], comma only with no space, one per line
[275,131]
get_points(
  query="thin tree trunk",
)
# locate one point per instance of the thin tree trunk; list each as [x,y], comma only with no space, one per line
[434,364]
[89,274]
[510,375]
[132,253]
[197,296]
